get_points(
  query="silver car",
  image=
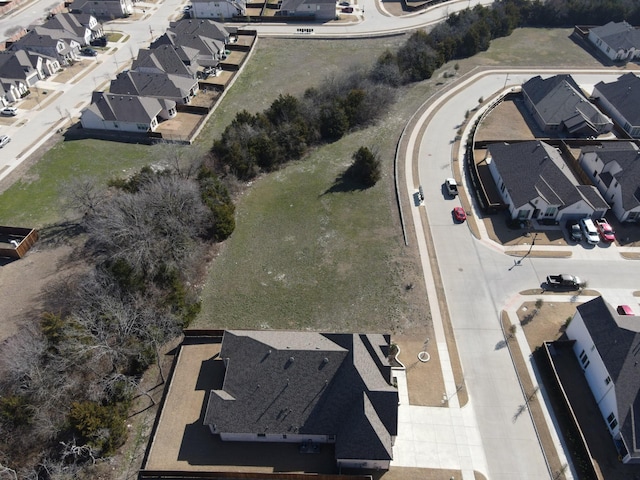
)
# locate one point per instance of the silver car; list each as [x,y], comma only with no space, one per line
[4,139]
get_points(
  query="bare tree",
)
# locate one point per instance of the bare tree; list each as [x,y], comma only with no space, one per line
[154,227]
[83,195]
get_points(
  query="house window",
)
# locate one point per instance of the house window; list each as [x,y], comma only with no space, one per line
[607,380]
[502,188]
[595,173]
[142,126]
[115,125]
[550,212]
[611,420]
[584,359]
[284,436]
[262,435]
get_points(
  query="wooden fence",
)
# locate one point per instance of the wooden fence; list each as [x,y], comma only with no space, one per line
[21,240]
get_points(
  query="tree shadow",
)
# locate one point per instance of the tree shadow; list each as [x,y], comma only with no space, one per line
[345,183]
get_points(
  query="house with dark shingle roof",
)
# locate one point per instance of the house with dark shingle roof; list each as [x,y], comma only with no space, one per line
[71,27]
[159,85]
[105,9]
[535,183]
[63,51]
[17,66]
[608,348]
[559,107]
[621,101]
[163,58]
[204,37]
[614,169]
[308,388]
[617,40]
[218,9]
[126,113]
[319,9]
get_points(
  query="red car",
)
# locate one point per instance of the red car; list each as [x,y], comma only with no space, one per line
[459,214]
[604,229]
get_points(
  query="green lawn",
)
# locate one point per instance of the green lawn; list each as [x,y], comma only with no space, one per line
[36,200]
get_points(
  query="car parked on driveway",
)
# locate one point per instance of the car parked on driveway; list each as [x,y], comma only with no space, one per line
[9,111]
[605,230]
[99,42]
[589,231]
[574,231]
[459,214]
[4,139]
[89,52]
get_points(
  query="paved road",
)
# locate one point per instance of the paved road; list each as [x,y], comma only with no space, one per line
[478,272]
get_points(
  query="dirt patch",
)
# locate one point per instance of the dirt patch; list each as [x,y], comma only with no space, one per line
[24,282]
[545,321]
[508,112]
[424,379]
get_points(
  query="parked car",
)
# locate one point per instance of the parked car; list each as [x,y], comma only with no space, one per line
[89,52]
[624,310]
[4,139]
[564,281]
[589,231]
[344,4]
[604,229]
[9,111]
[99,42]
[574,232]
[459,214]
[187,9]
[451,186]
[347,10]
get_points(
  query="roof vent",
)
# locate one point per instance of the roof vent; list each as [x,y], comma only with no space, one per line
[291,359]
[325,360]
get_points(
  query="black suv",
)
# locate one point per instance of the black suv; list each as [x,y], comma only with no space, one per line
[99,42]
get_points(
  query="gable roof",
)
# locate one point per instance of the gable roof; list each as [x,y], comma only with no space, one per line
[127,108]
[624,95]
[617,339]
[203,27]
[208,48]
[15,64]
[558,100]
[536,169]
[163,85]
[163,58]
[627,156]
[280,382]
[619,35]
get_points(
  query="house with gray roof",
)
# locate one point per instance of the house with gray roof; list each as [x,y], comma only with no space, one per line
[559,107]
[159,85]
[16,65]
[104,9]
[63,51]
[206,28]
[621,101]
[535,183]
[614,168]
[319,9]
[126,113]
[608,348]
[218,9]
[308,388]
[209,50]
[70,27]
[164,58]
[619,41]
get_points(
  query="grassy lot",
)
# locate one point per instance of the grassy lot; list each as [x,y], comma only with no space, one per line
[36,199]
[300,256]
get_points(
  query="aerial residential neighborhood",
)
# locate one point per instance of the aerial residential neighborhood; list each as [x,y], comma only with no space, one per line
[291,240]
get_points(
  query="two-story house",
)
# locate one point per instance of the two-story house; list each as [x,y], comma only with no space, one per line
[614,169]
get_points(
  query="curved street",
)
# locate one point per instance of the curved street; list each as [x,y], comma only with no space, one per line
[479,282]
